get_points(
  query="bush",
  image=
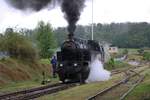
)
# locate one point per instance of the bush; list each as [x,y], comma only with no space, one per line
[125,52]
[19,47]
[140,51]
[146,56]
[111,64]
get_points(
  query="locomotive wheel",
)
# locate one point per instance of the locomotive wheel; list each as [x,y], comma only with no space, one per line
[61,76]
[62,79]
[81,80]
[85,73]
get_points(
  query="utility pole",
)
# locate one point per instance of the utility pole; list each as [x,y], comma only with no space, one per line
[92,22]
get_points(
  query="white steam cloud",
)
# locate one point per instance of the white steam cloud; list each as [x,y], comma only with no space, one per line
[97,72]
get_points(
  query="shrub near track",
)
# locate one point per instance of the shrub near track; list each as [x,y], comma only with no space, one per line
[19,47]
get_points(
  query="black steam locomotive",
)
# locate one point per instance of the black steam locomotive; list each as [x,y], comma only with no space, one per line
[74,59]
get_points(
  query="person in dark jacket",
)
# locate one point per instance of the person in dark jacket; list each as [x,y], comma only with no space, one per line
[54,63]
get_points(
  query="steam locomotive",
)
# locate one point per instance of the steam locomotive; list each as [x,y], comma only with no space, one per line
[75,57]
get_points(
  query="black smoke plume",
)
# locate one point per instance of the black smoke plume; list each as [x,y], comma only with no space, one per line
[35,5]
[71,8]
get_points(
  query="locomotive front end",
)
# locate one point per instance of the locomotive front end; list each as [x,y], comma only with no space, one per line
[73,62]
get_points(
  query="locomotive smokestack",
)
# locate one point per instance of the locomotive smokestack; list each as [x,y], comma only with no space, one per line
[70,36]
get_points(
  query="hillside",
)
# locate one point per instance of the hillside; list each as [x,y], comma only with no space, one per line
[15,71]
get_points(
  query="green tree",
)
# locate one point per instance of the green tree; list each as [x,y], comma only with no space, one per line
[18,46]
[46,41]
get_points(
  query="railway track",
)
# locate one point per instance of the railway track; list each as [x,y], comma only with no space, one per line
[121,89]
[113,72]
[36,92]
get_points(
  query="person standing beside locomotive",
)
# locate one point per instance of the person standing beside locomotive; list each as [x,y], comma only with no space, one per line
[54,63]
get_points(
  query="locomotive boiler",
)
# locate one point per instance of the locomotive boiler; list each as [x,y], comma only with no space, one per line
[74,59]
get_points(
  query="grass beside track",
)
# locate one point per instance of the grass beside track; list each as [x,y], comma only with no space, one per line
[19,86]
[84,91]
[142,91]
[130,50]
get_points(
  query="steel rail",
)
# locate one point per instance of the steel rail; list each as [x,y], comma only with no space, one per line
[113,86]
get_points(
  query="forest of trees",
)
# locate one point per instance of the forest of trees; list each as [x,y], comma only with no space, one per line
[43,40]
[124,35]
[29,44]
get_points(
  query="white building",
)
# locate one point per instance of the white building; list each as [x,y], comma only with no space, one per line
[113,49]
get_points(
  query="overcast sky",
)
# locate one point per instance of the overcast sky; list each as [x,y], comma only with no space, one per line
[105,11]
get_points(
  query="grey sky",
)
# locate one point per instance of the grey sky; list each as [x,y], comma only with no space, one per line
[105,11]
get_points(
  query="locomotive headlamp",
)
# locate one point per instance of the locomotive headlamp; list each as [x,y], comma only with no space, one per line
[75,64]
[61,65]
